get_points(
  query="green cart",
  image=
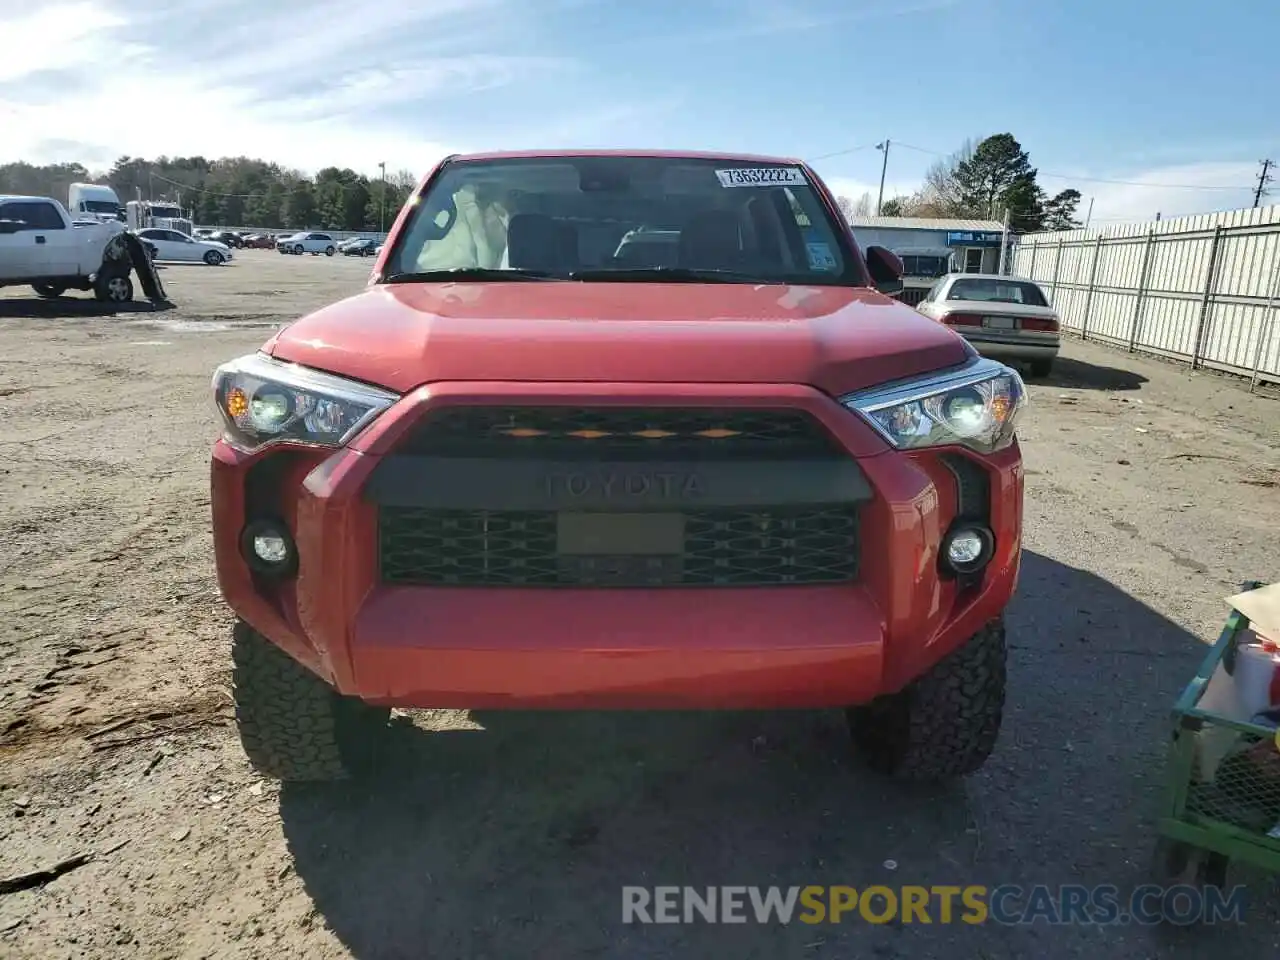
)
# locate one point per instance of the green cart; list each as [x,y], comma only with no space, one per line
[1207,822]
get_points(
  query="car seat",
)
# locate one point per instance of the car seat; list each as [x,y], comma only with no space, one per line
[711,240]
[536,241]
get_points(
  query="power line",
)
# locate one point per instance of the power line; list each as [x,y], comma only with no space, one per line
[841,153]
[934,153]
[1138,183]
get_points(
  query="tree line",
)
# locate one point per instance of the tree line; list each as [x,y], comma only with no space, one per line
[232,191]
[980,182]
[976,182]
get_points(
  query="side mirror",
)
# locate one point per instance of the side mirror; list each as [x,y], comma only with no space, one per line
[886,269]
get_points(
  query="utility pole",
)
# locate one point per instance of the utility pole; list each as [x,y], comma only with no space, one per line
[1263,179]
[1004,244]
[382,227]
[1088,217]
[883,169]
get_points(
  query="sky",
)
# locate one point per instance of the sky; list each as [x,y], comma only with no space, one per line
[1145,106]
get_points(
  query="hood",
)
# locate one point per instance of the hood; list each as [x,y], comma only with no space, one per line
[837,339]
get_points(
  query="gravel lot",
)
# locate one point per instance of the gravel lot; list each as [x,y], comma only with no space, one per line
[1151,494]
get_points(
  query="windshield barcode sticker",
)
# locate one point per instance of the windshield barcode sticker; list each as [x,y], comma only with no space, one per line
[762,177]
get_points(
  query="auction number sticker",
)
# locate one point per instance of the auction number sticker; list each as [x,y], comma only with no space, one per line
[762,177]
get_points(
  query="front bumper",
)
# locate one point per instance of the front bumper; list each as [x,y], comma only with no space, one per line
[580,647]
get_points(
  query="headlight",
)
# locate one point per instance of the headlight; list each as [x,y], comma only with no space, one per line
[266,401]
[976,406]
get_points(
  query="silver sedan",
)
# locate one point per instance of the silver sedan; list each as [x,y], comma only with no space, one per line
[1005,318]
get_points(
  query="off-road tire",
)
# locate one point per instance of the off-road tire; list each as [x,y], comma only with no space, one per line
[49,291]
[943,725]
[1041,368]
[294,726]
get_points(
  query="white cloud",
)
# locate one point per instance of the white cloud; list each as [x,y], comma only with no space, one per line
[29,40]
[306,87]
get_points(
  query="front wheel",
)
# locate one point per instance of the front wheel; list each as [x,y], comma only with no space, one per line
[294,726]
[49,290]
[113,288]
[329,251]
[297,250]
[944,724]
[214,259]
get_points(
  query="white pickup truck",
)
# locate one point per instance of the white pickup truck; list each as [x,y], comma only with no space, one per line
[42,246]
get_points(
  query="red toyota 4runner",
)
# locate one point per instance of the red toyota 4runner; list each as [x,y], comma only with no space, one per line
[614,430]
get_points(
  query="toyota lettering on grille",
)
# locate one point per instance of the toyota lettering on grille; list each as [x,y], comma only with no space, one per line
[632,486]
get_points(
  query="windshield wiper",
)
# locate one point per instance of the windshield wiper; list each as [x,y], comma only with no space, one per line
[668,275]
[468,273]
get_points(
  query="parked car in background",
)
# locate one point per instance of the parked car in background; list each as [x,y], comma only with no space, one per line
[228,237]
[204,233]
[360,248]
[172,245]
[308,242]
[260,241]
[1005,318]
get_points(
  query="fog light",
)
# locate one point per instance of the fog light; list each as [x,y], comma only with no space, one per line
[268,548]
[968,549]
[271,548]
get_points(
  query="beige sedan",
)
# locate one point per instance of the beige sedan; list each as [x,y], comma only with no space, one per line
[1005,318]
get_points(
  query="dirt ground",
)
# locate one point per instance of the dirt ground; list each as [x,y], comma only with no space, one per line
[1152,493]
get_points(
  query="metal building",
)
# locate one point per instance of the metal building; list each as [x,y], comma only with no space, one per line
[930,248]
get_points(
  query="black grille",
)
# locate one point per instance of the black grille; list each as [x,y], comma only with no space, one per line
[762,546]
[913,298]
[621,433]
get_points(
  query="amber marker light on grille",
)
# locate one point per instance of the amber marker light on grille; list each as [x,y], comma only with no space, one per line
[653,434]
[524,432]
[718,434]
[589,434]
[237,402]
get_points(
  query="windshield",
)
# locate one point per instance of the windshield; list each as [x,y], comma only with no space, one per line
[923,266]
[173,213]
[997,291]
[624,219]
[100,206]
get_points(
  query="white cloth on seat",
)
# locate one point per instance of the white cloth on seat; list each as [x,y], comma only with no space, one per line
[478,237]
